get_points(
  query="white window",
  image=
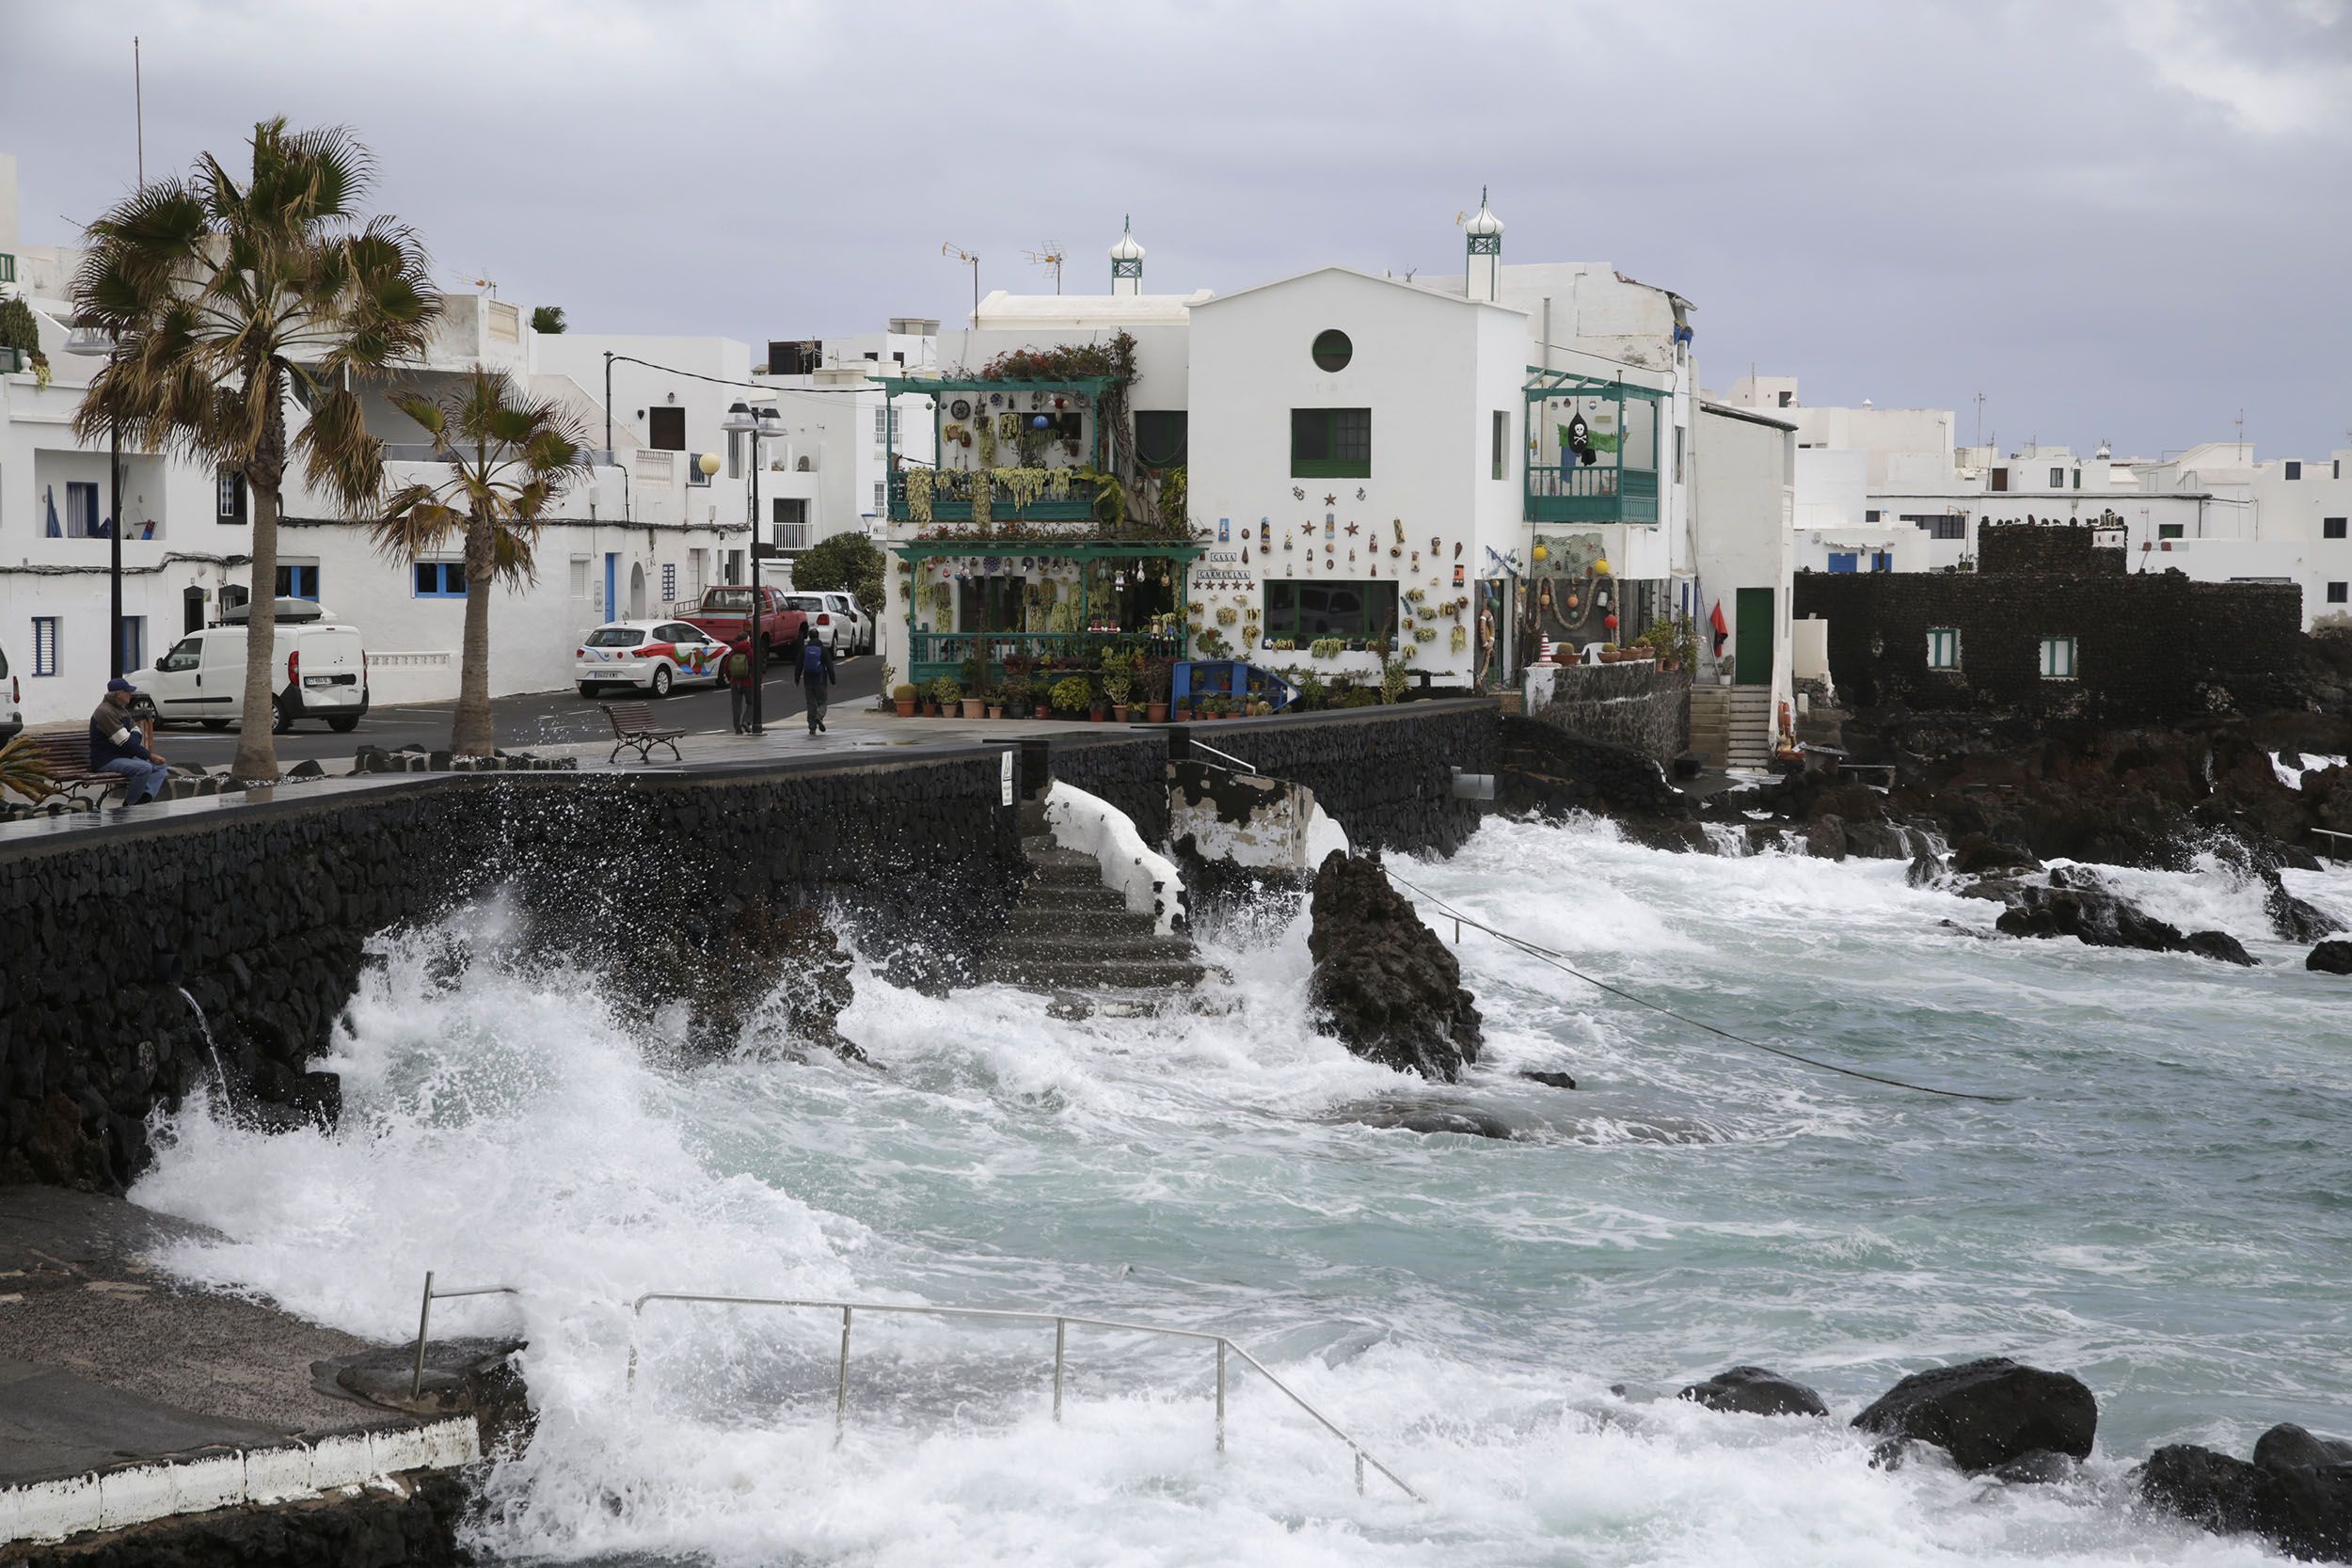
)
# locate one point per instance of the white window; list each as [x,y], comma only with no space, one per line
[2058,658]
[579,576]
[882,424]
[694,578]
[894,423]
[2058,479]
[879,503]
[1943,648]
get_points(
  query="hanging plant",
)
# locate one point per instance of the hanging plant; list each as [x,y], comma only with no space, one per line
[981,515]
[1057,485]
[1461,638]
[1227,615]
[1021,485]
[920,495]
[1326,647]
[1425,634]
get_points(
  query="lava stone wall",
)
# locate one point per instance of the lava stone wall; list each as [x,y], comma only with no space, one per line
[2045,549]
[261,912]
[2149,646]
[1636,705]
[1129,772]
[1385,774]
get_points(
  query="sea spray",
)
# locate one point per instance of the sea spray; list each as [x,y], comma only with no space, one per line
[2147,1217]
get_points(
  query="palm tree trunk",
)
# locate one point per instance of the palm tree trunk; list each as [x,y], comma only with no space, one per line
[471,736]
[256,761]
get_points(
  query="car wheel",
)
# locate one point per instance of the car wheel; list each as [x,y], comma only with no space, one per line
[661,681]
[279,720]
[213,723]
[343,723]
[589,688]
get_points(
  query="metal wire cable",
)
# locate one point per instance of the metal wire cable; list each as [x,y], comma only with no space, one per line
[1559,961]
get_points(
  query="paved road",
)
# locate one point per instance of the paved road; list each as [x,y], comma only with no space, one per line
[535,719]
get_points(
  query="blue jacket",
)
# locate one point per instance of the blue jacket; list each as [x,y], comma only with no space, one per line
[107,723]
[804,677]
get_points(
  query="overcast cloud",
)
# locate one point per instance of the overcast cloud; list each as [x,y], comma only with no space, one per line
[2116,218]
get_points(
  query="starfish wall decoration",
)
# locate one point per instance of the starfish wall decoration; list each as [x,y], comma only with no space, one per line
[1351,530]
[1331,500]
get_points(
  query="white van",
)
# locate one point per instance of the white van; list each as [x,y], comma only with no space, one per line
[323,673]
[11,700]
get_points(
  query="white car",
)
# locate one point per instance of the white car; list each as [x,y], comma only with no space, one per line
[652,656]
[11,701]
[321,673]
[835,620]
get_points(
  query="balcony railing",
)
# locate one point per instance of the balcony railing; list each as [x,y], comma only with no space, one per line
[949,508]
[932,653]
[1572,493]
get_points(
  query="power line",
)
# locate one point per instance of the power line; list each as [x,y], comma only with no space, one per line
[1558,961]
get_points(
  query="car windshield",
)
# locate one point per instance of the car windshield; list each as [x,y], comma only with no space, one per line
[727,598]
[615,636]
[806,601]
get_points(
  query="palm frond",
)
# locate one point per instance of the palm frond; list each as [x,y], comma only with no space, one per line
[22,772]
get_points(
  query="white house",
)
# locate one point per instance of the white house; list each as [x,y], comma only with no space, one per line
[643,530]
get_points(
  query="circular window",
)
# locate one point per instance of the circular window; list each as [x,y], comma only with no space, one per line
[1332,349]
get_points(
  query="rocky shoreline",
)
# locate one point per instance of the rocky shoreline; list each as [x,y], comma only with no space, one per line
[1988,814]
[2025,1426]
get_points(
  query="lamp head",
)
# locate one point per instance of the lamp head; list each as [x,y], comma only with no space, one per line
[738,420]
[708,462]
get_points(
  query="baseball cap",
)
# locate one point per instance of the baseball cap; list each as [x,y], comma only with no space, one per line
[118,684]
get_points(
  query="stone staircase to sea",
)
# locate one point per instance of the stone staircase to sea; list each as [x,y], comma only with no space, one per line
[1732,725]
[1069,937]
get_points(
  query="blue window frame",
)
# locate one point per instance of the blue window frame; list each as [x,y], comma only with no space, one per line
[44,644]
[1843,561]
[298,582]
[441,580]
[1882,561]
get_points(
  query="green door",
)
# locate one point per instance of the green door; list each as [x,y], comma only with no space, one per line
[1752,655]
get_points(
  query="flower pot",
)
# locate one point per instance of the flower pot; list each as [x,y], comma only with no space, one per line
[1043,711]
[974,708]
[1098,713]
[1120,711]
[995,711]
[1155,712]
[931,710]
[906,709]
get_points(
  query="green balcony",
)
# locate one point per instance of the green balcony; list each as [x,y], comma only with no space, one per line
[1572,493]
[1612,476]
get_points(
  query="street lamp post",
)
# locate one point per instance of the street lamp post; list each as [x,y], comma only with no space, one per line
[765,425]
[95,343]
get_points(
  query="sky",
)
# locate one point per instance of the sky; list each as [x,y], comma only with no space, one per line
[2124,220]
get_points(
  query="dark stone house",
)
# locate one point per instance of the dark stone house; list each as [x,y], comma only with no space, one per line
[2052,626]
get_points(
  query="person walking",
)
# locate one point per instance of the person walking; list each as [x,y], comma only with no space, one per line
[117,746]
[814,671]
[739,672]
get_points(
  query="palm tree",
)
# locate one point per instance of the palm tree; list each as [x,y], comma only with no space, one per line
[509,458]
[226,299]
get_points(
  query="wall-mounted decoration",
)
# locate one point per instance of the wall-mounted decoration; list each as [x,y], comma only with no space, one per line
[1331,524]
[1244,555]
[1395,550]
[1417,561]
[1399,523]
[1351,530]
[1224,530]
[1331,500]
[1297,494]
[1360,492]
[996,400]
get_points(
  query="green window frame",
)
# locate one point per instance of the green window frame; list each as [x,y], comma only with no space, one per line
[1332,350]
[1943,648]
[1162,436]
[2058,658]
[1501,454]
[1305,608]
[1332,443]
[2170,530]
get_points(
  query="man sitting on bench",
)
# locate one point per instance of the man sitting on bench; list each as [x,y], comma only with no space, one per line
[115,746]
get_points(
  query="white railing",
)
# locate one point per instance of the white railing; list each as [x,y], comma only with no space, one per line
[409,661]
[1062,1322]
[655,464]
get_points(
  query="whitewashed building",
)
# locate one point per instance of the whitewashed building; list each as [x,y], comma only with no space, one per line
[646,529]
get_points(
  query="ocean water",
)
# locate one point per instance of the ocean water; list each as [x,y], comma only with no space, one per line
[2164,1209]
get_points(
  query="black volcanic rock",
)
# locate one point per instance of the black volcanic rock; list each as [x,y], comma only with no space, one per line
[1390,987]
[1986,1413]
[1755,1391]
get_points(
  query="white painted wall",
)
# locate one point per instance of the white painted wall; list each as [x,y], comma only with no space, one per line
[1745,497]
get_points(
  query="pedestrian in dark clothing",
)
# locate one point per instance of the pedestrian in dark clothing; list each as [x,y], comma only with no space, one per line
[816,674]
[738,672]
[117,746]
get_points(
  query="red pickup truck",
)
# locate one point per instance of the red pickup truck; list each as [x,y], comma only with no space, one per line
[726,612]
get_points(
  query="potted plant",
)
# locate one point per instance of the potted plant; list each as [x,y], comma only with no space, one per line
[1159,675]
[1072,694]
[1118,679]
[903,698]
[1014,695]
[945,695]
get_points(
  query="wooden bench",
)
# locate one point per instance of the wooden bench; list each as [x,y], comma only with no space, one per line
[633,726]
[65,757]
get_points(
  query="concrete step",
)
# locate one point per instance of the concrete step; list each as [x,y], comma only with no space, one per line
[1055,919]
[1076,971]
[1030,946]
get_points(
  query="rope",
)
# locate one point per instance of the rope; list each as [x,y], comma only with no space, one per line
[1558,961]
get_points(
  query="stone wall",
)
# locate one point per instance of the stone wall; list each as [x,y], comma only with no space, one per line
[1385,774]
[261,913]
[1634,705]
[2045,549]
[1129,771]
[2149,646]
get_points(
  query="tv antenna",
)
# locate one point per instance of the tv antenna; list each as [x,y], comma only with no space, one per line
[948,247]
[1051,256]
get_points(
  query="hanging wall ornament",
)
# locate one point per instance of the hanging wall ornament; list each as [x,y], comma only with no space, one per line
[1376,568]
[1297,494]
[1395,550]
[1286,542]
[1417,561]
[1351,556]
[1435,544]
[1399,523]
[1331,523]
[1457,550]
[1351,530]
[1360,492]
[1244,555]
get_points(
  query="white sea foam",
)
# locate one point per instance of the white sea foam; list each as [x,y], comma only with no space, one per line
[2145,1216]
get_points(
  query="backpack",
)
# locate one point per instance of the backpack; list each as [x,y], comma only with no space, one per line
[811,658]
[738,666]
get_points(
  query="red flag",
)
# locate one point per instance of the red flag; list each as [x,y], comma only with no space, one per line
[1722,628]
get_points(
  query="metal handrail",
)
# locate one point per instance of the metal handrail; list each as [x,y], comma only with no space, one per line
[1061,1321]
[1204,746]
[425,1321]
